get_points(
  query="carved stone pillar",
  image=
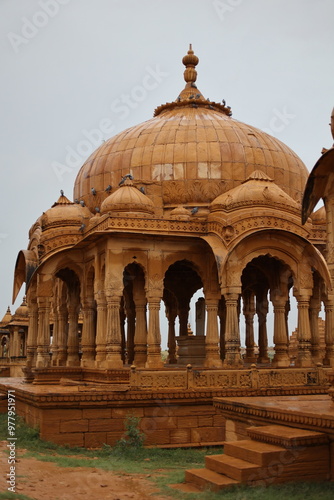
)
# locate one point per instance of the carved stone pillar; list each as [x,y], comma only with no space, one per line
[212,351]
[55,336]
[329,334]
[314,310]
[32,333]
[154,337]
[171,343]
[114,337]
[43,337]
[249,313]
[73,335]
[127,353]
[131,330]
[262,312]
[88,334]
[200,316]
[232,333]
[140,347]
[101,338]
[304,358]
[183,312]
[281,358]
[15,351]
[222,326]
[62,335]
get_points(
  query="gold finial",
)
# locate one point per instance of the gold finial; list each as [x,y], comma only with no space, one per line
[190,61]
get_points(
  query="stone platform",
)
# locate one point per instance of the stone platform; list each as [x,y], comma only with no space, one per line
[89,408]
[313,412]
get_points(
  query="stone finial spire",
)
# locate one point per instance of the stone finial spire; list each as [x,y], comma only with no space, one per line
[190,61]
[332,123]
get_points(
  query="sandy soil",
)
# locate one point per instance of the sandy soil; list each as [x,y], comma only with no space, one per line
[47,481]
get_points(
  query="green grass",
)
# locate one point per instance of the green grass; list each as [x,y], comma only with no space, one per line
[165,467]
[13,496]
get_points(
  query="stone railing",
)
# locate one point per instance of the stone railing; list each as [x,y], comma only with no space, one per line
[249,379]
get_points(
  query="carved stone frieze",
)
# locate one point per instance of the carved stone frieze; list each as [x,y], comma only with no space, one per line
[231,231]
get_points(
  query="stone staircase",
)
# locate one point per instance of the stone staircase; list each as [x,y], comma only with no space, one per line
[272,454]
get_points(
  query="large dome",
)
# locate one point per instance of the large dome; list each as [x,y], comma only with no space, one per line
[189,153]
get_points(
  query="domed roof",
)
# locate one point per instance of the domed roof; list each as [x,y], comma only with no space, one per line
[6,319]
[190,152]
[22,310]
[127,199]
[64,212]
[257,190]
[319,216]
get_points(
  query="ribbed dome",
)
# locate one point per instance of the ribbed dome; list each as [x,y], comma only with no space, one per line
[22,310]
[189,153]
[64,212]
[257,190]
[127,199]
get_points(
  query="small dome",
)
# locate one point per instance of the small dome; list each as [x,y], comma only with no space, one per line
[126,199]
[180,213]
[22,310]
[257,190]
[319,216]
[64,212]
[6,319]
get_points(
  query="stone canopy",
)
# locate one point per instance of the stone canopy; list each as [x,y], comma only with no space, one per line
[189,200]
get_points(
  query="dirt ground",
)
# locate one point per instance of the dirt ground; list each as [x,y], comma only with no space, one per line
[47,481]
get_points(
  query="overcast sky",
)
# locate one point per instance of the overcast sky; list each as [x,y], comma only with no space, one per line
[75,72]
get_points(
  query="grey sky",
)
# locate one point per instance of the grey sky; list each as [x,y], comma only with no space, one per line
[272,60]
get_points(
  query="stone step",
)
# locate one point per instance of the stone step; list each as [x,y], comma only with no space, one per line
[288,437]
[255,452]
[237,469]
[204,478]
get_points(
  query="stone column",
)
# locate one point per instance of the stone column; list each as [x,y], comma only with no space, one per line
[127,352]
[32,333]
[62,334]
[304,358]
[43,337]
[222,326]
[114,337]
[55,336]
[154,337]
[183,312]
[15,351]
[281,358]
[73,335]
[212,351]
[140,347]
[200,316]
[131,331]
[249,313]
[88,334]
[171,343]
[232,333]
[262,312]
[329,334]
[101,337]
[314,310]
